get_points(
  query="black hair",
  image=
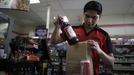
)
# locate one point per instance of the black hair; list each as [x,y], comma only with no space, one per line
[93,5]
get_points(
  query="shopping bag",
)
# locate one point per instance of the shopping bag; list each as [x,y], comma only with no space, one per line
[75,54]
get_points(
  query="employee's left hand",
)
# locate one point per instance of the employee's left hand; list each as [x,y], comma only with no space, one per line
[94,46]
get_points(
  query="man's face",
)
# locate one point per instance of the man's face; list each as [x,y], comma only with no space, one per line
[91,18]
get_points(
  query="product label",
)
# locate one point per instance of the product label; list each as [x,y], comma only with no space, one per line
[70,32]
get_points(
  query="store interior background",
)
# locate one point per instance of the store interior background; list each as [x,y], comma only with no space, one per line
[114,13]
[117,17]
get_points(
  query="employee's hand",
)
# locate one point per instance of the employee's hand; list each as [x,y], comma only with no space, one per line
[93,45]
[57,21]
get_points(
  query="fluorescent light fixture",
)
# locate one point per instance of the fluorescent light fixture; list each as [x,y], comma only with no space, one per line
[34,1]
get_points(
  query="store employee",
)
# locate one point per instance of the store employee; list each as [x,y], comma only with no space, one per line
[98,39]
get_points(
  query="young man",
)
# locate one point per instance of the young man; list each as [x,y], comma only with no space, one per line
[98,40]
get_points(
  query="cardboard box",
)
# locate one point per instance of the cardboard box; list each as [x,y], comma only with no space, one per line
[75,54]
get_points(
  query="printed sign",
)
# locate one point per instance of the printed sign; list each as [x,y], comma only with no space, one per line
[41,31]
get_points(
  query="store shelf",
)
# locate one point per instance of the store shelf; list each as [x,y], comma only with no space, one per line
[21,67]
[58,58]
[124,58]
[126,62]
[124,69]
[124,55]
[124,45]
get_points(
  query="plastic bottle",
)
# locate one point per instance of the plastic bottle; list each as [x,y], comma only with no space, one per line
[68,32]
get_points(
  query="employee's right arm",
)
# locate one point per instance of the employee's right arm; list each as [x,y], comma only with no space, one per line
[56,38]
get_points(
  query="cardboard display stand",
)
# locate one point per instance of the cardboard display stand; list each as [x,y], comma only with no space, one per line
[75,54]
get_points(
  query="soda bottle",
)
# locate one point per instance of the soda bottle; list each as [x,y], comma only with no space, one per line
[68,32]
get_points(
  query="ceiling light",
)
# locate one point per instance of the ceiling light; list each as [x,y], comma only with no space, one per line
[34,1]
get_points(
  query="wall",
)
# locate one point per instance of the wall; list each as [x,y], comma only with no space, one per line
[117,19]
[124,24]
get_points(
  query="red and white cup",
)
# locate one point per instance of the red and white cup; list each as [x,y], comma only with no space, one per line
[85,67]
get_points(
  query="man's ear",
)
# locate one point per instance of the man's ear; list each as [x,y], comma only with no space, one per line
[99,17]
